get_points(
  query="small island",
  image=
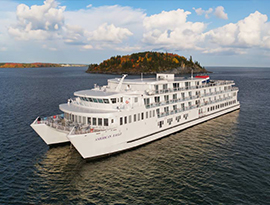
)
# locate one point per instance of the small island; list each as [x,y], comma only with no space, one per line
[147,63]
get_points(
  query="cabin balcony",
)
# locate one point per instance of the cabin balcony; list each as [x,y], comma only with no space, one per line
[207,85]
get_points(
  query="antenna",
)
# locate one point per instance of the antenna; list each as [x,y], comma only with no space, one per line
[120,83]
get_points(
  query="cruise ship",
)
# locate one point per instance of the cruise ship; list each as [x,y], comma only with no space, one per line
[127,113]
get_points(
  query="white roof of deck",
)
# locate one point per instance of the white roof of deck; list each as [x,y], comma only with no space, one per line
[70,108]
[95,93]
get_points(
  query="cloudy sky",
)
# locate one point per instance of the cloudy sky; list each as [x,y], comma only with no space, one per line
[216,33]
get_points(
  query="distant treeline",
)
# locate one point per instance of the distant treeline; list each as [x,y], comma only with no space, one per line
[28,65]
[146,62]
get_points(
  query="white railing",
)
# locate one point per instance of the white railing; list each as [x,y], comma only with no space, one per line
[163,114]
[162,103]
[60,123]
[169,90]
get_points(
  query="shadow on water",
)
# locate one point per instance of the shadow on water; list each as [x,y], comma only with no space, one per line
[189,164]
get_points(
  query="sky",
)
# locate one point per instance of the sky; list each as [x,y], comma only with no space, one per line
[215,33]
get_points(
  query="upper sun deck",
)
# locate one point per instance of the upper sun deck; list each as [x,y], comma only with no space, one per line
[160,79]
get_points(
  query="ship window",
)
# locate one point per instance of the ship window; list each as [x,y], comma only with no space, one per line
[139,117]
[157,99]
[121,99]
[142,115]
[100,100]
[80,119]
[183,95]
[134,117]
[125,119]
[95,100]
[160,123]
[89,120]
[153,113]
[169,121]
[112,121]
[146,101]
[175,85]
[90,99]
[113,100]
[86,99]
[174,96]
[150,114]
[94,121]
[84,120]
[183,106]
[121,120]
[99,121]
[106,101]
[135,99]
[146,115]
[165,87]
[166,98]
[175,107]
[129,119]
[106,122]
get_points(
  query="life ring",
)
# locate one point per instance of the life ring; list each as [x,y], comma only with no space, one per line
[127,101]
[92,130]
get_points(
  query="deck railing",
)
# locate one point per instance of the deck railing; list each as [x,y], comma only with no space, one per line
[60,123]
[162,103]
[169,90]
[163,114]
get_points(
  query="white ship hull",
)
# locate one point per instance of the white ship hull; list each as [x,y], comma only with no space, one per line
[129,113]
[95,145]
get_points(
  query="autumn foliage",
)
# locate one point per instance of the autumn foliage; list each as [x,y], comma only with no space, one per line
[144,62]
[27,65]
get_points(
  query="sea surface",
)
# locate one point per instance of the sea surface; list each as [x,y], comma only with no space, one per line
[223,161]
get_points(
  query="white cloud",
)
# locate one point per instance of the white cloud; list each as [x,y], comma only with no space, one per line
[50,21]
[166,20]
[109,33]
[88,46]
[219,12]
[170,30]
[224,51]
[249,32]
[125,29]
[89,6]
[38,22]
[206,13]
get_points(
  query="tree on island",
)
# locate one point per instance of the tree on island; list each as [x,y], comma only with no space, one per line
[148,63]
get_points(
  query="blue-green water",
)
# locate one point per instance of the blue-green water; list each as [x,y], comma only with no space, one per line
[222,161]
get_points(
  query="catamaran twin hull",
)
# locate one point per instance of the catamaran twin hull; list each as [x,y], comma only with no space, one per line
[129,113]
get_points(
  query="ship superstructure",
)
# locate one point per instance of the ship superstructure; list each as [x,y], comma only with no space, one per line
[127,113]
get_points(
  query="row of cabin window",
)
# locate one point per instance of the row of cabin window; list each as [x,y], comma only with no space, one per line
[98,121]
[137,117]
[187,84]
[175,96]
[221,105]
[175,85]
[106,101]
[170,120]
[93,121]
